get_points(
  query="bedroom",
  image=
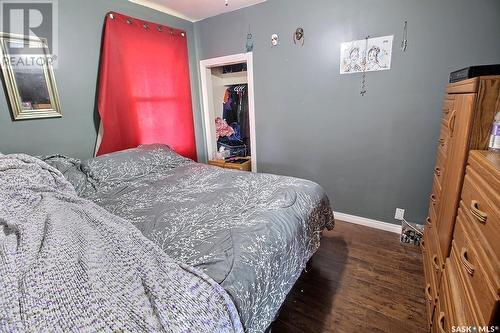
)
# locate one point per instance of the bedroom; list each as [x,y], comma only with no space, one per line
[320,142]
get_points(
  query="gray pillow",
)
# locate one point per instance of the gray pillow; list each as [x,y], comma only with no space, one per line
[132,163]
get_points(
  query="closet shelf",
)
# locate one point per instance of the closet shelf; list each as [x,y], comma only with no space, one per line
[230,79]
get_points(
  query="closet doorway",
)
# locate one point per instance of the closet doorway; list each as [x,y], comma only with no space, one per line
[228,108]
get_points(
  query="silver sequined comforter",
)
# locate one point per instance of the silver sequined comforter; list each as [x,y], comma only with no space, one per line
[252,233]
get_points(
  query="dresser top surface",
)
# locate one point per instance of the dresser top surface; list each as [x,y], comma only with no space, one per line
[488,159]
[469,85]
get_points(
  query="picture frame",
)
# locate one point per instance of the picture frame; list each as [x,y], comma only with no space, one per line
[29,84]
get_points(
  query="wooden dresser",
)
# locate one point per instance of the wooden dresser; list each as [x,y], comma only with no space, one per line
[468,112]
[469,294]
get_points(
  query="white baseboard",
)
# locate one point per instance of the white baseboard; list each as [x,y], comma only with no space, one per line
[368,222]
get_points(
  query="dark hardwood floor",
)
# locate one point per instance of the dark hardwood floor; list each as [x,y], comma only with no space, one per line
[361,280]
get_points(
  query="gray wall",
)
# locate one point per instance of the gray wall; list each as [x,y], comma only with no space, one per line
[80,28]
[372,153]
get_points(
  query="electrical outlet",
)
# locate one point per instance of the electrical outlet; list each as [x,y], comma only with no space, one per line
[400,214]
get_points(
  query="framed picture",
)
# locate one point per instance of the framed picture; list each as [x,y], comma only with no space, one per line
[28,79]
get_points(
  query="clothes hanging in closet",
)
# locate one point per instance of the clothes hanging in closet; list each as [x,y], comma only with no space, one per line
[230,109]
[236,113]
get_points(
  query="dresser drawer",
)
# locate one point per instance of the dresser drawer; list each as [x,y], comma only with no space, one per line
[444,140]
[430,306]
[443,318]
[481,202]
[440,167]
[454,295]
[448,107]
[433,260]
[484,247]
[430,289]
[435,196]
[432,219]
[440,320]
[443,149]
[474,268]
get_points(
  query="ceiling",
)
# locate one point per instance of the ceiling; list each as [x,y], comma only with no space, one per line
[196,10]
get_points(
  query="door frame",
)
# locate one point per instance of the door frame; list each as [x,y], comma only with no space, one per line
[207,98]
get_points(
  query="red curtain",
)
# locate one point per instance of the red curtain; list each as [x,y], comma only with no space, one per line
[144,88]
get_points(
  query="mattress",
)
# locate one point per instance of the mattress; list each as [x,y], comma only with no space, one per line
[252,233]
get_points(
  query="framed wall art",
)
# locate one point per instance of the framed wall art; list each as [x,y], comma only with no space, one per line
[28,79]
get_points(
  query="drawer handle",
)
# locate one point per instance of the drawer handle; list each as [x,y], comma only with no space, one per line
[441,322]
[433,198]
[466,263]
[451,124]
[438,172]
[442,142]
[478,214]
[429,222]
[435,263]
[428,292]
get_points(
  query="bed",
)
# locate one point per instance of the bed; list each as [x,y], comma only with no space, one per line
[68,265]
[251,233]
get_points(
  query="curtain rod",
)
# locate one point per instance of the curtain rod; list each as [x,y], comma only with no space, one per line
[145,25]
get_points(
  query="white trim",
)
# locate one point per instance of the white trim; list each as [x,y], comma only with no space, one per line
[251,108]
[368,222]
[225,60]
[206,86]
[205,72]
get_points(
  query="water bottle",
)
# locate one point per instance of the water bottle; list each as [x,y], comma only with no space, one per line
[495,134]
